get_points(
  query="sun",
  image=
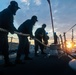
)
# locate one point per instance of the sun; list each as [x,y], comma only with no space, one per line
[69,45]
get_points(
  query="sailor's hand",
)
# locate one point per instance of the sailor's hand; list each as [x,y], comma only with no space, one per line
[32,37]
[12,32]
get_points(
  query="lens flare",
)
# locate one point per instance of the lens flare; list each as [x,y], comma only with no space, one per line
[69,45]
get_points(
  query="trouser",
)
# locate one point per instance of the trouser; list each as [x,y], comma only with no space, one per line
[55,41]
[37,44]
[23,47]
[4,47]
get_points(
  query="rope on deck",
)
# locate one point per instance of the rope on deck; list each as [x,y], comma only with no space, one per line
[19,33]
[22,34]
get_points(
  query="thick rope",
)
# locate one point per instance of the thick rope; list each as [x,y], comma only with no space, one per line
[19,33]
[41,42]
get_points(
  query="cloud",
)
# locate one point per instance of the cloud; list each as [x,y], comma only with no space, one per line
[55,11]
[27,2]
[37,2]
[24,0]
[63,14]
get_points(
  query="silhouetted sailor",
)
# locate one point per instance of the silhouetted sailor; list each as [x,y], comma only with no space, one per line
[55,38]
[40,34]
[26,28]
[6,22]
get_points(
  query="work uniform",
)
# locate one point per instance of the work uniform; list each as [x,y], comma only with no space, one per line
[6,22]
[40,35]
[26,28]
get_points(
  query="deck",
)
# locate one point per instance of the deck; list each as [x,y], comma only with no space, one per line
[41,65]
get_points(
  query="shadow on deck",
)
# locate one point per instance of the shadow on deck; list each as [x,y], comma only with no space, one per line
[40,66]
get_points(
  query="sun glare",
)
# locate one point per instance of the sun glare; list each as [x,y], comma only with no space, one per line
[69,45]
